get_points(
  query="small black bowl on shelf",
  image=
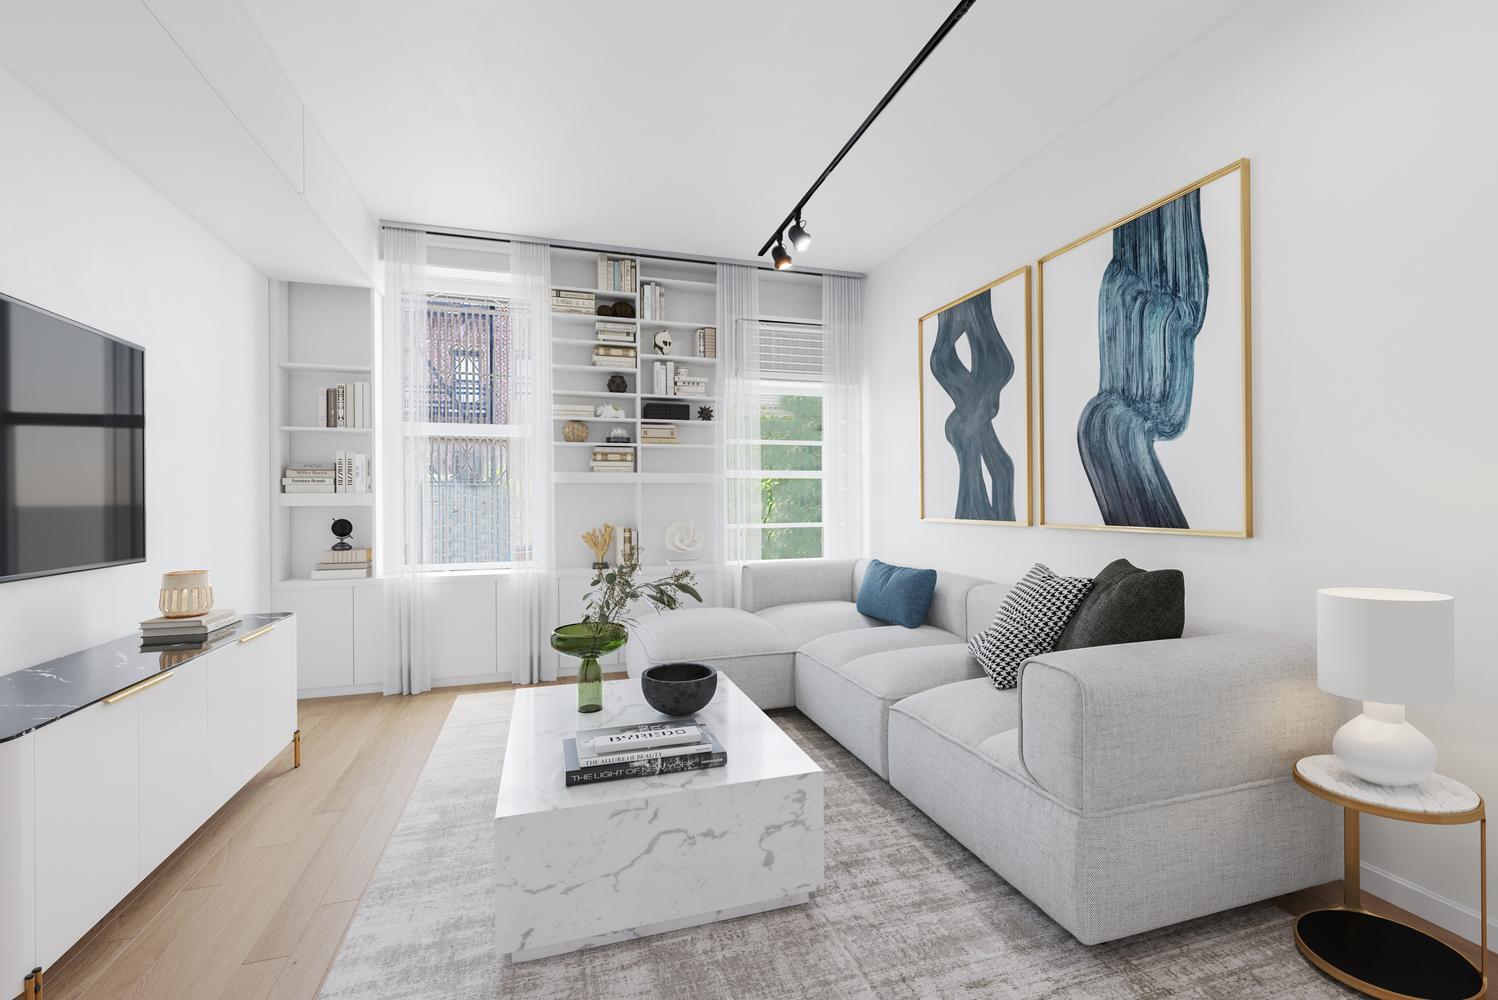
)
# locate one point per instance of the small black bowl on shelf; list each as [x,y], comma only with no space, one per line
[679,688]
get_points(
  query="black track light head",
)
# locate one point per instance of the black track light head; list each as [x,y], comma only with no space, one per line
[799,237]
[781,257]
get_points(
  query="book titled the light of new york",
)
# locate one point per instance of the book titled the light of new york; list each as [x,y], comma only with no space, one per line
[702,751]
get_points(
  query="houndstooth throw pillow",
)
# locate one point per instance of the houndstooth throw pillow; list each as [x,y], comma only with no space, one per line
[1028,623]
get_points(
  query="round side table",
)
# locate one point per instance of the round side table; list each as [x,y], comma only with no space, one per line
[1381,957]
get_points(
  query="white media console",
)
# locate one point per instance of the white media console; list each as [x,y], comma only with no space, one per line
[111,759]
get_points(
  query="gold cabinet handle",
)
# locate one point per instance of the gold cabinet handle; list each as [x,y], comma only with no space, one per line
[137,688]
[259,631]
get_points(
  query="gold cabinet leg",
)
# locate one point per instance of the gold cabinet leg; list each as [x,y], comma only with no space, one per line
[296,749]
[1482,834]
[1352,889]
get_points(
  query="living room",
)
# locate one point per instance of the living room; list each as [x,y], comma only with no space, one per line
[357,269]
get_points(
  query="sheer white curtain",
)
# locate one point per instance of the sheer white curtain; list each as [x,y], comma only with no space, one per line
[533,585]
[842,417]
[408,668]
[738,331]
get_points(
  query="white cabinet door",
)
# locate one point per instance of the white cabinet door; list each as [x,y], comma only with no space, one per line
[87,820]
[17,858]
[275,688]
[370,640]
[173,761]
[232,757]
[325,634]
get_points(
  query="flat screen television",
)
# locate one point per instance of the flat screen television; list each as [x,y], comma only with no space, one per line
[73,447]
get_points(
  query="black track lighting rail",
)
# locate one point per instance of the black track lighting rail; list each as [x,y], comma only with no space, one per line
[942,32]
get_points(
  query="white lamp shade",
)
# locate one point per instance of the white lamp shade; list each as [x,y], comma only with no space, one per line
[1392,646]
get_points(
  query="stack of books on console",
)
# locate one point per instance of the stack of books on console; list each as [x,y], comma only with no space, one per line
[576,303]
[642,751]
[657,433]
[344,564]
[612,459]
[188,633]
[616,274]
[614,333]
[614,357]
[707,342]
[572,411]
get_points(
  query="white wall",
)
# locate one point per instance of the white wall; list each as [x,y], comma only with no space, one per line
[86,237]
[1370,130]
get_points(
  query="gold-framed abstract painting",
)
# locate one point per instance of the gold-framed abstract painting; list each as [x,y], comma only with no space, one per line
[975,406]
[1143,336]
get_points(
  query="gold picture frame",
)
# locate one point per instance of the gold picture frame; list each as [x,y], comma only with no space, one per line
[1218,489]
[938,397]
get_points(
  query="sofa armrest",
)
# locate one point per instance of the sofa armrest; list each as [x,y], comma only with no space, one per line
[1109,727]
[795,581]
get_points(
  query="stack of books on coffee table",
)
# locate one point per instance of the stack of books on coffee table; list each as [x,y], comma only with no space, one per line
[639,751]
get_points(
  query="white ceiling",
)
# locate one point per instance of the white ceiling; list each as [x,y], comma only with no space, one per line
[694,127]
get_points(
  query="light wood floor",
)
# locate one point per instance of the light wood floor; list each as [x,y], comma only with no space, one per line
[255,905]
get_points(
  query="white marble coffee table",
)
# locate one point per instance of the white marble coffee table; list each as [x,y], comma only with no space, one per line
[595,864]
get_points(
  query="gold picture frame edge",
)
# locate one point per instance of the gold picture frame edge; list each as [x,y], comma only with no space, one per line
[920,366]
[1246,351]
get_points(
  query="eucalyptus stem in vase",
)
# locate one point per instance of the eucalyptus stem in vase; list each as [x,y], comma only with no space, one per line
[605,625]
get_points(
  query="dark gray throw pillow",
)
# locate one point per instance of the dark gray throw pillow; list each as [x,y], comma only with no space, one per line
[1128,604]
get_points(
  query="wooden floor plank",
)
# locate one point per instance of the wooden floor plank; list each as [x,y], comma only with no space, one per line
[356,870]
[254,981]
[122,974]
[314,953]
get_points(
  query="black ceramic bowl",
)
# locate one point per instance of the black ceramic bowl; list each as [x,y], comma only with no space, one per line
[679,688]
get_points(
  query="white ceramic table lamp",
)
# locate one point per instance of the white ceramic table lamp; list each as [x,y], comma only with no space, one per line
[1388,648]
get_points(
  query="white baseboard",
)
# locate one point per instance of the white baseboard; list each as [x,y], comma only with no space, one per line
[1422,902]
[335,692]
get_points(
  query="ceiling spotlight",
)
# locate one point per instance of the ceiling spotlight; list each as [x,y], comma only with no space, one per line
[800,238]
[781,257]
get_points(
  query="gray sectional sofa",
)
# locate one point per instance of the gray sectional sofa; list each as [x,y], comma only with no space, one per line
[1120,788]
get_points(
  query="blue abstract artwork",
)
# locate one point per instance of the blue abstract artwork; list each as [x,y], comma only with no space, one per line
[1150,308]
[976,391]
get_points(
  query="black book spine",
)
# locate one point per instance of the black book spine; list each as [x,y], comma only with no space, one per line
[646,768]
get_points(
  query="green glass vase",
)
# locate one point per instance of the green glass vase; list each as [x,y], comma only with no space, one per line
[588,641]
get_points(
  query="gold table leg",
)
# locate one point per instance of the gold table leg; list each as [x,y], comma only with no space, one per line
[1352,888]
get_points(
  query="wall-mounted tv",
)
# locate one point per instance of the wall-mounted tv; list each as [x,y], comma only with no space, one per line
[72,445]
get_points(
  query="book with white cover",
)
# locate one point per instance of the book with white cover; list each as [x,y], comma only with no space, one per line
[216,618]
[632,738]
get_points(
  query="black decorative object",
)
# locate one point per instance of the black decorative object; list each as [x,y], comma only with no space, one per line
[617,383]
[704,413]
[619,435]
[624,310]
[679,688]
[605,309]
[342,528]
[659,410]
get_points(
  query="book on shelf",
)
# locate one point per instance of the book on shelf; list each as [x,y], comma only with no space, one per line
[309,488]
[572,310]
[614,326]
[606,351]
[215,619]
[624,364]
[609,470]
[352,472]
[355,573]
[569,410]
[708,752]
[707,342]
[615,274]
[347,555]
[308,466]
[306,480]
[348,404]
[342,566]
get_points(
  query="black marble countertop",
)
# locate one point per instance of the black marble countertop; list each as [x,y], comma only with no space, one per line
[31,698]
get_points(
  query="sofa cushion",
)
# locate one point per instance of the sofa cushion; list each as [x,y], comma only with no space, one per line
[748,650]
[896,594]
[967,712]
[983,602]
[794,581]
[900,673]
[948,609]
[1028,622]
[801,623]
[842,647]
[1127,604]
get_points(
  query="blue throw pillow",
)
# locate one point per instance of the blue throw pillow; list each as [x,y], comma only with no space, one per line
[896,594]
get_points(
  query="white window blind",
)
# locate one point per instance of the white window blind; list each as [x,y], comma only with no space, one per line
[774,350]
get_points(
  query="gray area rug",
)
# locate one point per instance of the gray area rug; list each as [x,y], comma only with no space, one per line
[907,912]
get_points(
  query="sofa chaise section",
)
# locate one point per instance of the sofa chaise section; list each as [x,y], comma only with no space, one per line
[1124,788]
[748,649]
